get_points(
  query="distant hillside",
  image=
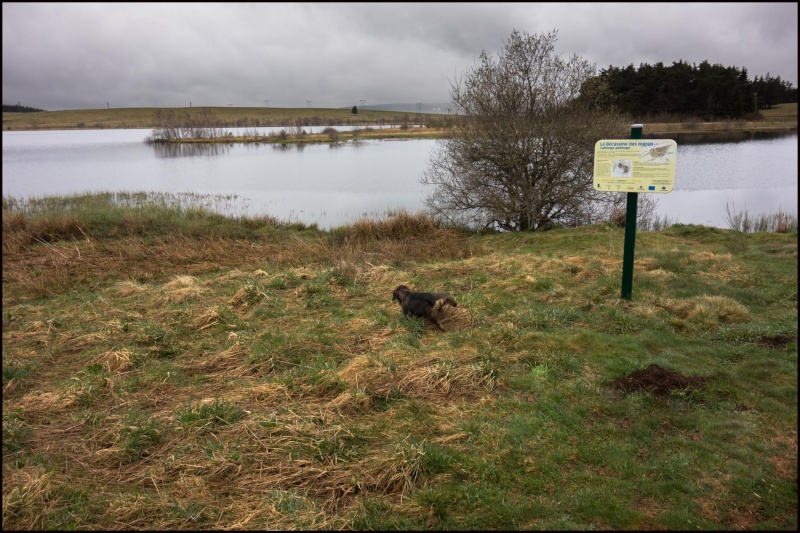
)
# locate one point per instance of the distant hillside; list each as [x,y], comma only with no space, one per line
[443,108]
[226,117]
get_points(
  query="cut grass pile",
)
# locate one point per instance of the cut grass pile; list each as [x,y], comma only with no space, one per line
[243,374]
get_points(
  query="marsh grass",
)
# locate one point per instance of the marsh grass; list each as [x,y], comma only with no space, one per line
[657,223]
[213,372]
[745,222]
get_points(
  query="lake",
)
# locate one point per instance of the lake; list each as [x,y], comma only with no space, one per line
[332,185]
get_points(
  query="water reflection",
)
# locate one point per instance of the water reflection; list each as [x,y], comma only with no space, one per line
[300,147]
[720,137]
[338,183]
[174,150]
[288,147]
[170,150]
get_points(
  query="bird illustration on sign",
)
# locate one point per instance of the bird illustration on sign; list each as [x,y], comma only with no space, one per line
[657,154]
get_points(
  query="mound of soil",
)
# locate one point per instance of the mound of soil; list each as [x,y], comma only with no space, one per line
[657,380]
[774,341]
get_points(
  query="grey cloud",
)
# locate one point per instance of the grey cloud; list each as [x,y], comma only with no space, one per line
[62,56]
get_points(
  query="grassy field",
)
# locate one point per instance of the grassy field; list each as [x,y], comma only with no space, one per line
[230,116]
[165,368]
[780,118]
[781,113]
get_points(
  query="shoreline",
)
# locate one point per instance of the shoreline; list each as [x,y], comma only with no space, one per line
[713,132]
[688,136]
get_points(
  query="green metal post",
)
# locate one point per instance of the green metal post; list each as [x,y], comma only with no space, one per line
[630,231]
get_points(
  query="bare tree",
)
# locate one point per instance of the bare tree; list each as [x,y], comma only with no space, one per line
[171,126]
[522,152]
[167,126]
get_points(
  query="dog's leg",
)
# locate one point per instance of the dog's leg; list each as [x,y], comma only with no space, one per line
[433,319]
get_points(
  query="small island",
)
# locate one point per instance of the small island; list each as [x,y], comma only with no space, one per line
[328,135]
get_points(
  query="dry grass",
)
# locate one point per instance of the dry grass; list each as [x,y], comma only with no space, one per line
[303,461]
[781,112]
[450,317]
[703,311]
[426,379]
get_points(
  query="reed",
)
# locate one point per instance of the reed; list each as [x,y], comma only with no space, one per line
[779,221]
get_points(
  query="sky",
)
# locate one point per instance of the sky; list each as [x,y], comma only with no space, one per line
[92,55]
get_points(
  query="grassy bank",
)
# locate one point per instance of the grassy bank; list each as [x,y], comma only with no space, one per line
[780,119]
[164,368]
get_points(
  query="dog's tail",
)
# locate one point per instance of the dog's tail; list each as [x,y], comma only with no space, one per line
[443,301]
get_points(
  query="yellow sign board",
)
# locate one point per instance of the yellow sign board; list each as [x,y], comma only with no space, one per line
[635,165]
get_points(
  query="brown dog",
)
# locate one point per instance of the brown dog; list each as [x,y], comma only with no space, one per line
[422,304]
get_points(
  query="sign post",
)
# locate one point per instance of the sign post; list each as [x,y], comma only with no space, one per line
[632,167]
[631,209]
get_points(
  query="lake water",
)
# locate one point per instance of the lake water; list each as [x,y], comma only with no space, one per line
[333,185]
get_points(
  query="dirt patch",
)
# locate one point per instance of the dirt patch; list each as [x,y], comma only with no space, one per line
[774,341]
[658,380]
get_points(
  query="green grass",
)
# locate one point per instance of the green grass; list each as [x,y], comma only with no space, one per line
[165,368]
[208,414]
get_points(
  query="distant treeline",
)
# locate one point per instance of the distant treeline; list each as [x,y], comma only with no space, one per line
[19,109]
[683,90]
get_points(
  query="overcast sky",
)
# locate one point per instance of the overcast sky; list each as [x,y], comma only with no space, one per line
[85,55]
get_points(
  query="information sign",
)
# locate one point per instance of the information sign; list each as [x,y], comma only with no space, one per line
[635,165]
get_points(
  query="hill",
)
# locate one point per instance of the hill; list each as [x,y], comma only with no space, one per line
[228,116]
[441,108]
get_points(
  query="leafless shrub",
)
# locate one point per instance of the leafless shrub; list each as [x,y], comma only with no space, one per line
[520,157]
[332,133]
[172,126]
[615,210]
